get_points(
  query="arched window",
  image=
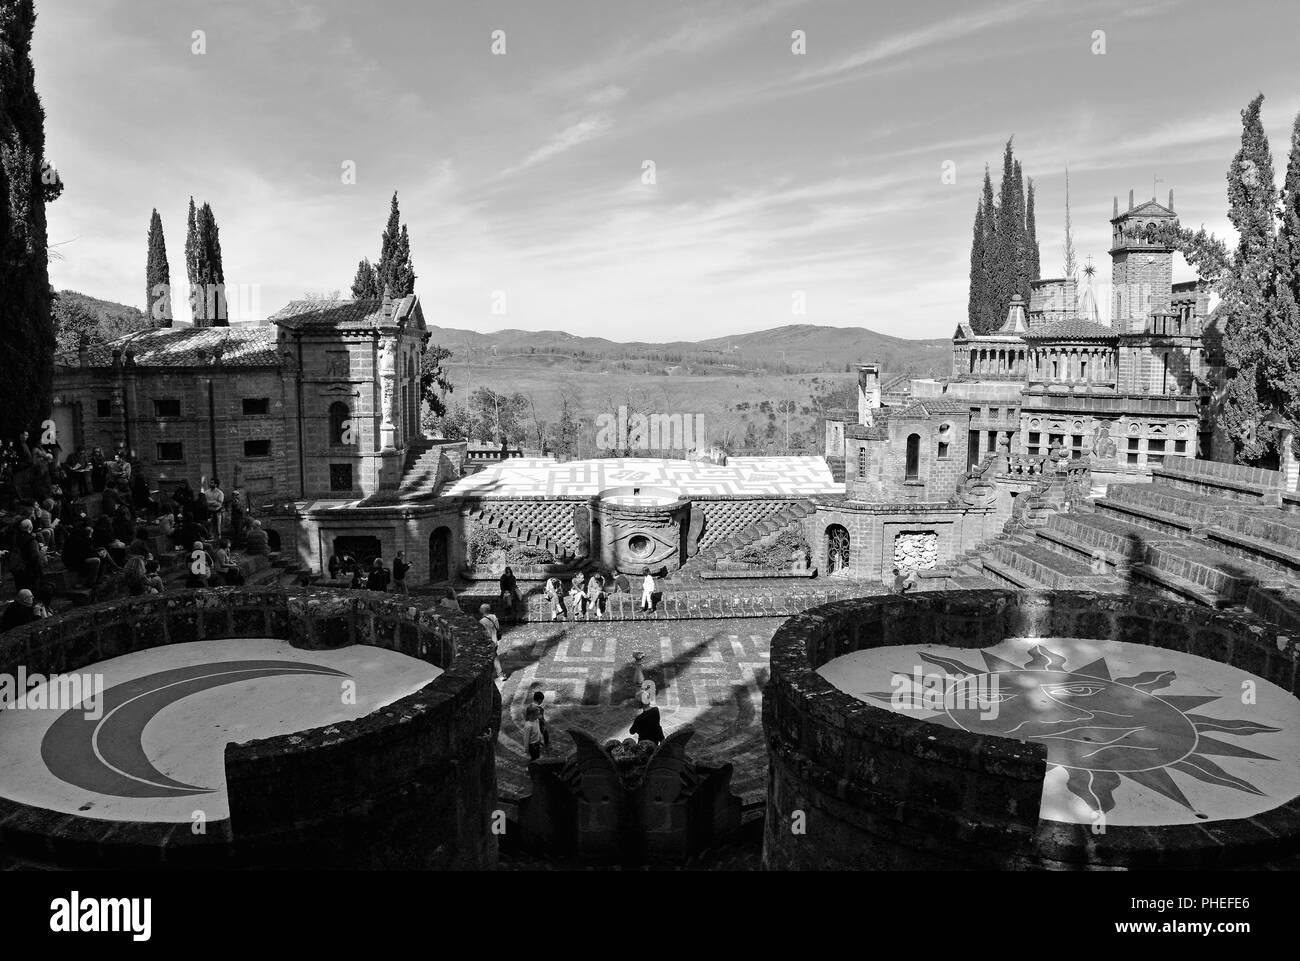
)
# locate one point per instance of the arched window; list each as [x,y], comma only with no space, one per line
[837,549]
[339,416]
[913,456]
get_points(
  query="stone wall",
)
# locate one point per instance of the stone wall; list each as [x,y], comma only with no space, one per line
[873,528]
[875,789]
[411,785]
[916,550]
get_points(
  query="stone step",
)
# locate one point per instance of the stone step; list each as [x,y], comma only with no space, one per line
[1150,518]
[1191,506]
[1219,573]
[1004,573]
[1043,565]
[1180,586]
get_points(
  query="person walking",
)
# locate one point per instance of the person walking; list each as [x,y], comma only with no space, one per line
[539,702]
[647,591]
[533,732]
[646,724]
[492,628]
[400,569]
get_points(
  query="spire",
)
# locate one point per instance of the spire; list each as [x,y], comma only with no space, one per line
[1171,200]
[1071,269]
[1015,322]
[1115,211]
[1130,199]
[1088,300]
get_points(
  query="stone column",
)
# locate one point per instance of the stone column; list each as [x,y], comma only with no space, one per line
[1289,465]
[388,395]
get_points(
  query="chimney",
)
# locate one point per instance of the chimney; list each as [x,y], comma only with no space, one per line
[868,393]
[386,307]
[1016,316]
[83,350]
[1171,200]
[1130,200]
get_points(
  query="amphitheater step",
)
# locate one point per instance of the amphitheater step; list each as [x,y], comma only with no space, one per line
[1181,586]
[1005,574]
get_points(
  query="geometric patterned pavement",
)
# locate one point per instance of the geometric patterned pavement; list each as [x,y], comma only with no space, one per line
[798,476]
[709,674]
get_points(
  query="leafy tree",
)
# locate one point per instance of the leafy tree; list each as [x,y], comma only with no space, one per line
[365,285]
[100,320]
[27,184]
[157,275]
[435,378]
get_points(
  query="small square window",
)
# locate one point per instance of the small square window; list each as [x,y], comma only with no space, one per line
[103,407]
[256,405]
[1180,447]
[167,407]
[943,452]
[1035,438]
[1132,458]
[1156,446]
[171,451]
[257,448]
[340,477]
[1133,443]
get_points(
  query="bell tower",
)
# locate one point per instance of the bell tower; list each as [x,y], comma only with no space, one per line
[1142,267]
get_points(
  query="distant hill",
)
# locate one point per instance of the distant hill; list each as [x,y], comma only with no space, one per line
[76,313]
[799,348]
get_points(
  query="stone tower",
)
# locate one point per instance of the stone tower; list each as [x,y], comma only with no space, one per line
[1141,269]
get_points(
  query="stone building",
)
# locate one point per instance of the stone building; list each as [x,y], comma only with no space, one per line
[320,401]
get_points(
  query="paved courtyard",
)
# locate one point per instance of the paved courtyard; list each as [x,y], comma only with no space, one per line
[709,673]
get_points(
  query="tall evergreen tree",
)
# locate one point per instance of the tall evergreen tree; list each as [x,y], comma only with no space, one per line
[27,184]
[1282,329]
[157,276]
[978,279]
[1031,238]
[365,285]
[193,258]
[403,274]
[208,278]
[988,305]
[388,242]
[1006,272]
[1252,200]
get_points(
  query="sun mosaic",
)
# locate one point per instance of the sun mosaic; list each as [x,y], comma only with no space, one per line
[1134,735]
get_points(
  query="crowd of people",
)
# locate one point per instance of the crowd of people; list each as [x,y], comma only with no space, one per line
[375,576]
[46,504]
[587,597]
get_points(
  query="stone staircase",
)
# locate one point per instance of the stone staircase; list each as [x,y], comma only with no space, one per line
[1213,534]
[420,473]
[522,534]
[762,533]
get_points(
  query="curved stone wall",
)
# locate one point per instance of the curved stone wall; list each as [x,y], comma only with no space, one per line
[854,786]
[412,784]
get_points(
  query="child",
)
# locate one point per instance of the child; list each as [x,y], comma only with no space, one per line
[492,627]
[533,732]
[539,702]
[647,591]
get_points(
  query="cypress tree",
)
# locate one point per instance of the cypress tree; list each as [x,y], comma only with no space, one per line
[1005,271]
[209,280]
[388,242]
[1031,238]
[1282,331]
[193,257]
[978,279]
[157,276]
[27,184]
[365,285]
[403,273]
[1252,202]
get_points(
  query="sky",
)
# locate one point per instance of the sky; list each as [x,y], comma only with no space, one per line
[788,187]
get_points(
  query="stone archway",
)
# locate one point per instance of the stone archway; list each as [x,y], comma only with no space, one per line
[440,555]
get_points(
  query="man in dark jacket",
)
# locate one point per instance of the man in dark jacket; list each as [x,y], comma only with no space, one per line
[378,580]
[80,555]
[21,610]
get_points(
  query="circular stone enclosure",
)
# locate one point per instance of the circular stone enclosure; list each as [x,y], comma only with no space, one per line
[411,784]
[895,787]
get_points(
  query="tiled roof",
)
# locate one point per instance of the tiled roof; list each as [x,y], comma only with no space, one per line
[343,314]
[928,406]
[863,432]
[1072,329]
[242,346]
